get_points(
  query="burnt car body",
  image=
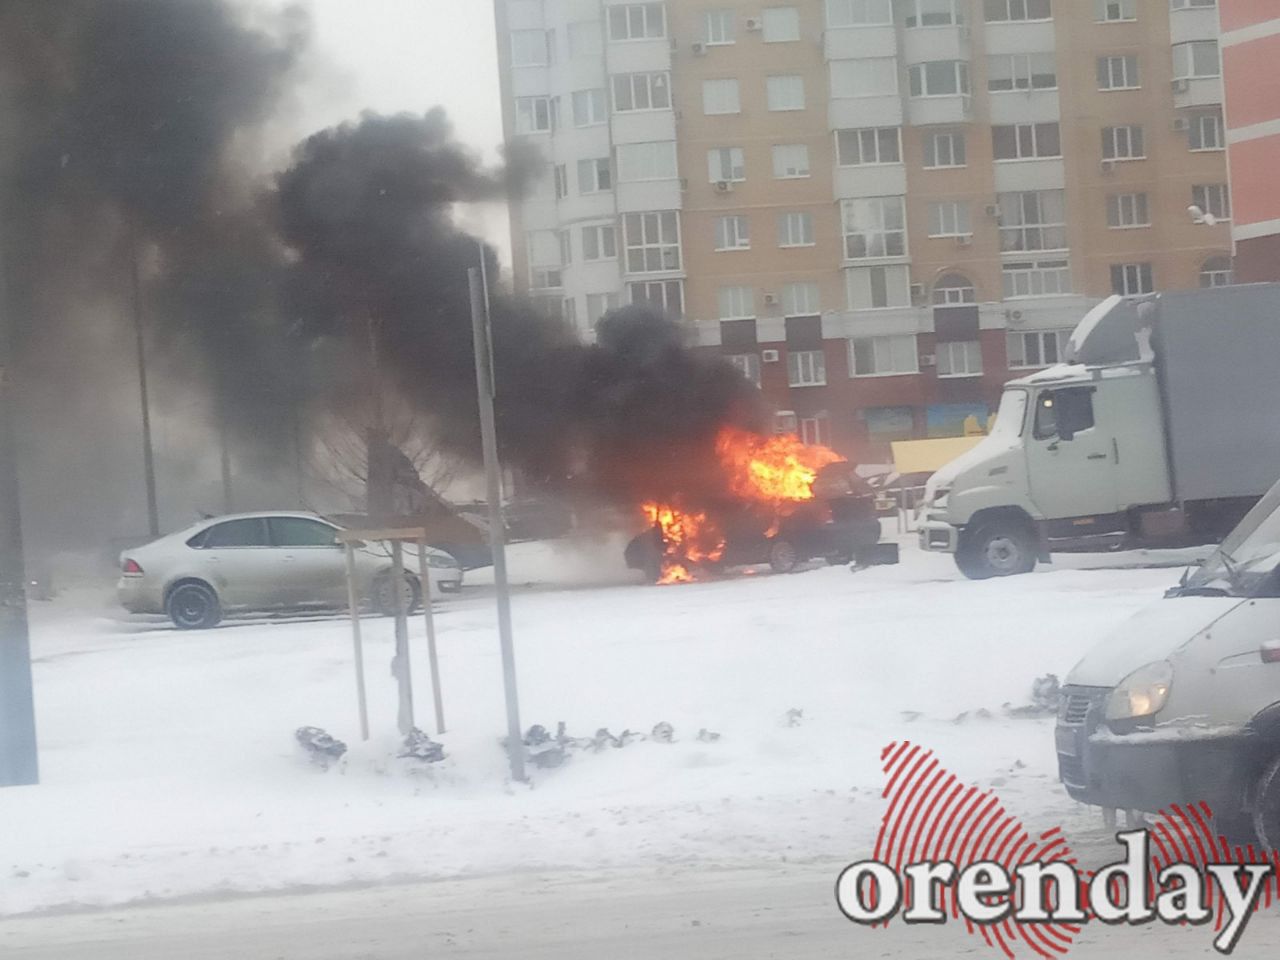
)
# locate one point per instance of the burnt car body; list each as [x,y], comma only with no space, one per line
[839,525]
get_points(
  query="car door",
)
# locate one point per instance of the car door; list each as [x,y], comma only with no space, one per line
[1070,456]
[311,563]
[236,557]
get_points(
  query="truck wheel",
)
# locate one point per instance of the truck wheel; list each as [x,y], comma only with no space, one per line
[783,557]
[998,548]
[1266,806]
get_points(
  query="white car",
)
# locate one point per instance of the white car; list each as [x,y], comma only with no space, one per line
[265,561]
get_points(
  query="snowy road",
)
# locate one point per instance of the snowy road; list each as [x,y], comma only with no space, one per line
[752,914]
[169,767]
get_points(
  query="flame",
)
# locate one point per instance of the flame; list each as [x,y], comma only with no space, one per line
[773,471]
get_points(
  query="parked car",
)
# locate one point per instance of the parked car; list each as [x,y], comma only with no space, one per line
[1182,703]
[265,561]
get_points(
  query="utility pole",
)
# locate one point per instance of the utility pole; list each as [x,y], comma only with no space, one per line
[18,763]
[148,452]
[485,386]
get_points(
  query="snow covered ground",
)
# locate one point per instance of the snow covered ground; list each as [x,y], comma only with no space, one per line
[169,766]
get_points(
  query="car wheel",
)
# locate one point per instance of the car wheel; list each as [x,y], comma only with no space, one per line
[783,556]
[1266,806]
[384,601]
[1001,548]
[193,606]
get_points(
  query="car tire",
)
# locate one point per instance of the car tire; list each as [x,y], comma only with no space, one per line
[997,548]
[1266,806]
[783,556]
[384,600]
[193,605]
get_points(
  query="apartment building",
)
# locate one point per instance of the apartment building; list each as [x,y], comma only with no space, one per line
[880,210]
[1250,53]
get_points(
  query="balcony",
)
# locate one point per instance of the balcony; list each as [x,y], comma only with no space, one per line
[1024,106]
[944,110]
[639,56]
[848,113]
[1193,23]
[881,322]
[1197,92]
[856,43]
[644,126]
[1019,175]
[871,180]
[640,196]
[923,44]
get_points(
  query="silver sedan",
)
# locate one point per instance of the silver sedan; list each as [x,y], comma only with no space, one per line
[265,561]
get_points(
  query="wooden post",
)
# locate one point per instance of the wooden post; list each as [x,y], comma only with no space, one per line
[400,665]
[428,615]
[353,601]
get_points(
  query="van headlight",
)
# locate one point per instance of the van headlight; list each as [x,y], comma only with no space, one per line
[1142,693]
[940,497]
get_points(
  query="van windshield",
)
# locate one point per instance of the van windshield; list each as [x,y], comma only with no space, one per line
[1011,415]
[1246,563]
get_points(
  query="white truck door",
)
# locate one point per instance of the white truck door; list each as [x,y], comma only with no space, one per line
[1070,456]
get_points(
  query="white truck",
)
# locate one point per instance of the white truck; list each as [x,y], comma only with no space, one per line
[1162,428]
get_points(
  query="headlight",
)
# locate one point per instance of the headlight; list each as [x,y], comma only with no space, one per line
[940,497]
[1142,693]
[447,563]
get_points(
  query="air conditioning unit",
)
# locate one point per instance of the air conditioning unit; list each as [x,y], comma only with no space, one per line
[1181,124]
[771,299]
[769,356]
[917,293]
[1013,316]
[724,186]
[1108,166]
[964,240]
[754,25]
[699,49]
[928,360]
[993,210]
[1181,86]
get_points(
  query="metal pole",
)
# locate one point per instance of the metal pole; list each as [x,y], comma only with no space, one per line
[353,603]
[18,762]
[497,539]
[424,571]
[400,665]
[148,452]
[223,440]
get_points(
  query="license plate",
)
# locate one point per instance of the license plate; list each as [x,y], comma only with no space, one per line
[1066,741]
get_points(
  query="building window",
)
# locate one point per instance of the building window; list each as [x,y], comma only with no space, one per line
[720,27]
[790,161]
[641,91]
[785,93]
[594,176]
[599,243]
[883,356]
[1036,278]
[1026,141]
[598,304]
[733,233]
[878,288]
[1033,349]
[566,247]
[1118,73]
[858,13]
[664,295]
[867,77]
[801,300]
[944,149]
[534,114]
[720,97]
[1005,11]
[589,108]
[814,430]
[1021,71]
[939,78]
[653,241]
[1213,199]
[546,278]
[1033,220]
[1216,272]
[1127,210]
[1123,143]
[637,21]
[795,229]
[569,312]
[1199,58]
[647,161]
[737,303]
[1131,279]
[953,290]
[868,145]
[586,39]
[561,174]
[874,227]
[806,368]
[748,365]
[529,48]
[949,218]
[960,358]
[1191,4]
[1115,11]
[781,24]
[726,165]
[1206,131]
[932,13]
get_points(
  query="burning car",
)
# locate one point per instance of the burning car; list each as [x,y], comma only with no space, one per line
[784,503]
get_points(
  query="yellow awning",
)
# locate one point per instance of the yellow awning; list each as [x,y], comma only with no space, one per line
[927,456]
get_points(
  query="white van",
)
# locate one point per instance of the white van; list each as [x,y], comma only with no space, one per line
[1181,704]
